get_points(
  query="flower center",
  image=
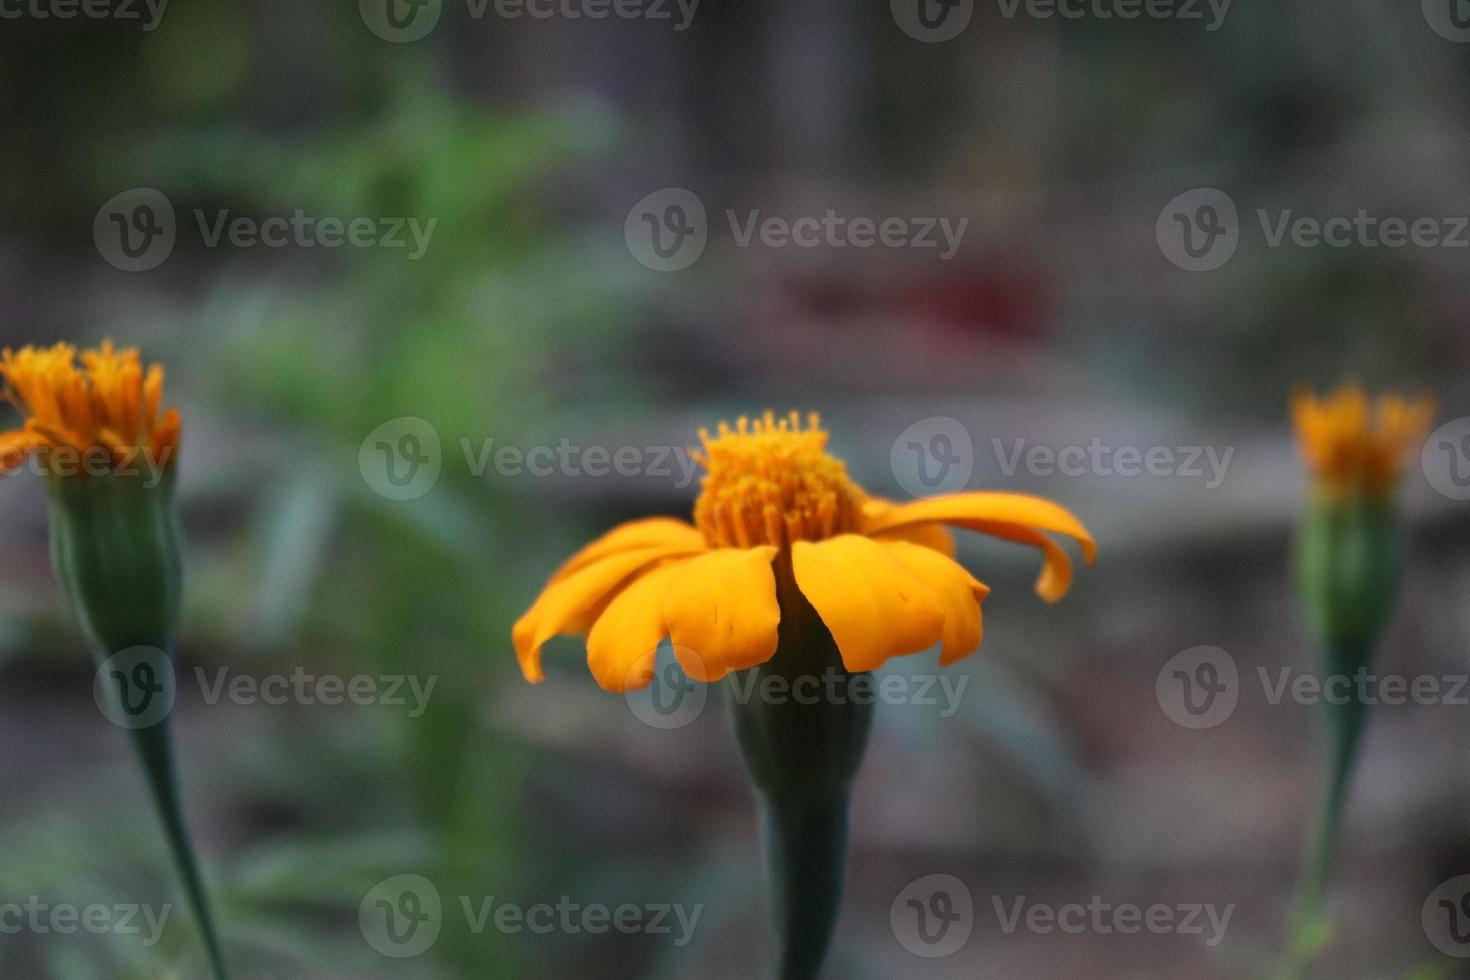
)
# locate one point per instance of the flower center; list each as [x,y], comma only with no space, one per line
[772,482]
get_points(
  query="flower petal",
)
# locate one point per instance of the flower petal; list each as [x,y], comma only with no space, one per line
[1014,517]
[959,592]
[873,605]
[15,446]
[650,532]
[931,535]
[624,641]
[965,509]
[572,604]
[1056,568]
[935,537]
[722,612]
[165,438]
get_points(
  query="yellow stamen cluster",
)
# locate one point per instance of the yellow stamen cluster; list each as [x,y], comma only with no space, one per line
[771,481]
[1354,446]
[109,402]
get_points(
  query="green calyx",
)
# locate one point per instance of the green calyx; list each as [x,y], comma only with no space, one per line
[803,734]
[115,545]
[1349,554]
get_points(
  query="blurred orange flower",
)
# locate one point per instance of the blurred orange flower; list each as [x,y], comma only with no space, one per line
[1352,445]
[108,402]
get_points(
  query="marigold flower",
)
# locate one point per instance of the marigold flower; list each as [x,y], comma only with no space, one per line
[1353,446]
[777,512]
[108,448]
[1349,555]
[109,405]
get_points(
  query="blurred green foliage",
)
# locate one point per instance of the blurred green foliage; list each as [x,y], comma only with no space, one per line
[312,568]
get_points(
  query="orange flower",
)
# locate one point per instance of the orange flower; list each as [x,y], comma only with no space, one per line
[775,512]
[108,405]
[1351,446]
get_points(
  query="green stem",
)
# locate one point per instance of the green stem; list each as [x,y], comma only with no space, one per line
[806,855]
[1343,732]
[802,753]
[154,746]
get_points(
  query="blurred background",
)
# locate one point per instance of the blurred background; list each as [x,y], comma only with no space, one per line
[595,269]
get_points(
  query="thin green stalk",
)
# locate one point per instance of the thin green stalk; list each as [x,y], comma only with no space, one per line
[154,746]
[1343,734]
